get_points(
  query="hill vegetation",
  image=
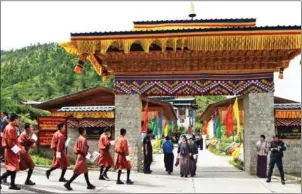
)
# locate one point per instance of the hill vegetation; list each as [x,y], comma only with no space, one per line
[39,73]
[45,71]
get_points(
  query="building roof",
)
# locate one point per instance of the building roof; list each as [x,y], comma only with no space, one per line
[289,106]
[30,102]
[218,20]
[100,97]
[264,29]
[207,114]
[87,109]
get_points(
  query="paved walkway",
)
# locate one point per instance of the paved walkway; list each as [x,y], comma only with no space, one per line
[214,175]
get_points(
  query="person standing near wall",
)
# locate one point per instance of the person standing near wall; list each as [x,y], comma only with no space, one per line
[25,160]
[81,150]
[277,148]
[262,149]
[60,158]
[11,152]
[148,152]
[105,158]
[122,160]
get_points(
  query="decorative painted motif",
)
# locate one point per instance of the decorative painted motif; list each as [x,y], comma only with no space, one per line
[190,85]
[287,122]
[90,122]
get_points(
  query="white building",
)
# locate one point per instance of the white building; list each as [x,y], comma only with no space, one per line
[185,109]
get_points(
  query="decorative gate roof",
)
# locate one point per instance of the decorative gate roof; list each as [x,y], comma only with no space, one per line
[227,48]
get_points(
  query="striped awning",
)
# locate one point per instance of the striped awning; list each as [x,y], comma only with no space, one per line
[87,109]
[291,106]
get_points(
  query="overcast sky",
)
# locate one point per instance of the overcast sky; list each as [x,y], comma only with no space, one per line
[25,23]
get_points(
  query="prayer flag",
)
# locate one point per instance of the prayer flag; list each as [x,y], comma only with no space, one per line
[145,119]
[154,126]
[166,129]
[160,124]
[228,120]
[236,114]
[204,129]
[218,127]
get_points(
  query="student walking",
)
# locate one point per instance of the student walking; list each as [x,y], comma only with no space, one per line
[81,150]
[60,158]
[122,160]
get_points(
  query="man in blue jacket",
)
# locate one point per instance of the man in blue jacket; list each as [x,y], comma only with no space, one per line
[168,155]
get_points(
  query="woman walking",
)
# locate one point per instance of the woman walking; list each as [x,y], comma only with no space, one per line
[184,153]
[81,150]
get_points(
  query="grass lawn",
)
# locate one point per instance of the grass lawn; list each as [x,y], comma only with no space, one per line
[41,161]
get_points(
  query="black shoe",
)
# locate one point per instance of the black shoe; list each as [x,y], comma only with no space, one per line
[169,173]
[147,172]
[90,186]
[62,180]
[29,182]
[192,175]
[268,180]
[186,176]
[283,182]
[181,175]
[102,177]
[47,174]
[67,186]
[105,176]
[118,182]
[129,182]
[14,187]
[4,181]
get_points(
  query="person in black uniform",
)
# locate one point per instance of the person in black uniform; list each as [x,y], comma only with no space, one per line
[147,152]
[277,148]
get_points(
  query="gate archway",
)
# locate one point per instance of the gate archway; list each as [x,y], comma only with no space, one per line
[197,57]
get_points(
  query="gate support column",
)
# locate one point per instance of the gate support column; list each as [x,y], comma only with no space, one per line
[128,116]
[258,120]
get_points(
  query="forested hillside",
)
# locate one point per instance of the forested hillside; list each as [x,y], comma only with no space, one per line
[40,73]
[45,71]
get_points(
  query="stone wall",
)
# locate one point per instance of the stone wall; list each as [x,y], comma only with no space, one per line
[258,120]
[128,116]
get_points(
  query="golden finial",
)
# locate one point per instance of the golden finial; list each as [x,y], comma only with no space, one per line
[192,11]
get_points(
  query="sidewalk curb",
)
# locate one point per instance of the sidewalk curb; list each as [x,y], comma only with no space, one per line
[31,189]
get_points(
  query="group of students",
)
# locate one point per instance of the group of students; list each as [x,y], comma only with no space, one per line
[17,157]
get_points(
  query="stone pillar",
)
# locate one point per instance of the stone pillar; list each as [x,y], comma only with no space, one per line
[258,120]
[128,116]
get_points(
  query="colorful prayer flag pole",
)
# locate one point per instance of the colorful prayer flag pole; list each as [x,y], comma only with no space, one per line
[236,114]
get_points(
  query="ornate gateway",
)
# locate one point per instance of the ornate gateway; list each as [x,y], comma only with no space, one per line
[189,57]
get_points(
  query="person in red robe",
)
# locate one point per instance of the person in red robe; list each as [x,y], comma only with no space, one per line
[25,160]
[81,150]
[10,141]
[122,160]
[60,158]
[105,158]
